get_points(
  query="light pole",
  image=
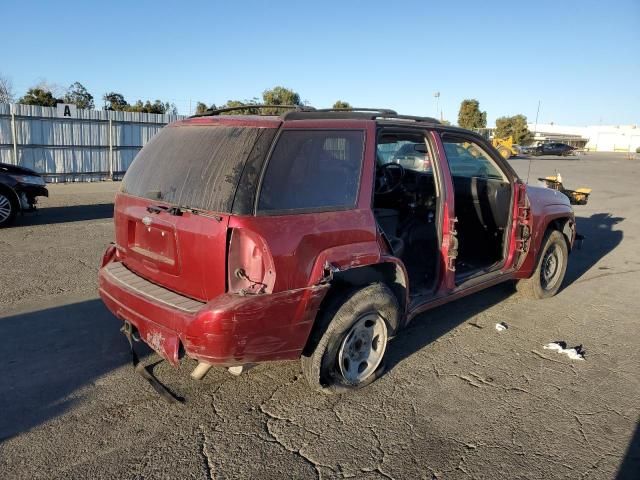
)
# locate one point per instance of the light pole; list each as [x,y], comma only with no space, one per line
[437,97]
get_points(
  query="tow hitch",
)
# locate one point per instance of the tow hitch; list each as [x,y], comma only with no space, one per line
[129,332]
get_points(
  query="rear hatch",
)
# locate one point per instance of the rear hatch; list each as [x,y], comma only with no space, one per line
[172,214]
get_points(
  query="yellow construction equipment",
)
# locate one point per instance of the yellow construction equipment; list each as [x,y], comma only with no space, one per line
[505,146]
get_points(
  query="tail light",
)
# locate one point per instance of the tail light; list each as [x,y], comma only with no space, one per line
[249,264]
[108,255]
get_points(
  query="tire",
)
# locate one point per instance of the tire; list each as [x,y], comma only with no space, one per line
[550,270]
[8,209]
[504,153]
[350,352]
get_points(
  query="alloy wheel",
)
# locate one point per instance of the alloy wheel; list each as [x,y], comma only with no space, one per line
[5,208]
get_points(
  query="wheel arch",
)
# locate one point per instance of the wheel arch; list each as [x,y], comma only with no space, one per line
[565,225]
[4,188]
[390,272]
[564,222]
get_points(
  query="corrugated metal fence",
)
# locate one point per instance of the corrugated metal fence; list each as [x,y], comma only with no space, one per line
[95,145]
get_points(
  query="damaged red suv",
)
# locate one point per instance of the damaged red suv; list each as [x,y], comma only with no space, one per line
[318,234]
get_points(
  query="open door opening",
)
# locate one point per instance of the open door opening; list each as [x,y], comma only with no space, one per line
[483,200]
[407,205]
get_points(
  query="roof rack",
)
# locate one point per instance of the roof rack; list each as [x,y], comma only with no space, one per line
[386,111]
[346,113]
[213,112]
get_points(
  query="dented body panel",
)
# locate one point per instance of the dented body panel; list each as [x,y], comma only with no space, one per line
[229,330]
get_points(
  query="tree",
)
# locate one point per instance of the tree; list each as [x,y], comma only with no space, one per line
[114,101]
[79,96]
[39,96]
[201,108]
[515,127]
[470,116]
[242,111]
[341,104]
[280,96]
[6,90]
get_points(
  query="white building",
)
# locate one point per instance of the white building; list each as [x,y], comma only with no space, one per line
[596,138]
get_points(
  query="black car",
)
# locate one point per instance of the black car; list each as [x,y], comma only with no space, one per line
[19,187]
[553,149]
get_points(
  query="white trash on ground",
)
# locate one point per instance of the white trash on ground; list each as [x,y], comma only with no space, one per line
[501,326]
[574,353]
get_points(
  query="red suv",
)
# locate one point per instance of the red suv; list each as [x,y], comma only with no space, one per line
[318,234]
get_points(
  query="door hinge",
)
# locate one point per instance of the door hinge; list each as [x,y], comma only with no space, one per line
[453,245]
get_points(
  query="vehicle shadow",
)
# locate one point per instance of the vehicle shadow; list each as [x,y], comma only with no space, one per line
[72,213]
[49,354]
[630,465]
[600,239]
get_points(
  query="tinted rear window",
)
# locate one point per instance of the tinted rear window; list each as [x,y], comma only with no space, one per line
[313,170]
[192,166]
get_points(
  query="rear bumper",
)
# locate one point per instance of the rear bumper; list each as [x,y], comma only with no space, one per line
[229,330]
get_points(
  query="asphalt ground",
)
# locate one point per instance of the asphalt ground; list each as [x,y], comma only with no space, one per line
[461,400]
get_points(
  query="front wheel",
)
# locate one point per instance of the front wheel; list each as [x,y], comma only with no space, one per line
[504,153]
[350,352]
[550,270]
[8,209]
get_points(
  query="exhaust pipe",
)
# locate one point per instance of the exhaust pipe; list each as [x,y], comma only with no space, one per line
[201,370]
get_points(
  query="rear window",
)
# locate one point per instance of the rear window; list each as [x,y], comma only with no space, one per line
[192,166]
[311,170]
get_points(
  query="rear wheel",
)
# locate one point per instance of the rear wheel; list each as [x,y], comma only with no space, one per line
[350,352]
[550,270]
[8,209]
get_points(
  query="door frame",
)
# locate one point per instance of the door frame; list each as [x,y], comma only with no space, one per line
[509,239]
[442,179]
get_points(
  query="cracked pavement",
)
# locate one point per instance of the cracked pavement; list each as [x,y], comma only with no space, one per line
[460,400]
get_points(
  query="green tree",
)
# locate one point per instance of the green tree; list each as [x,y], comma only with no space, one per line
[39,96]
[241,111]
[158,107]
[515,127]
[79,96]
[114,101]
[341,104]
[280,96]
[470,116]
[202,107]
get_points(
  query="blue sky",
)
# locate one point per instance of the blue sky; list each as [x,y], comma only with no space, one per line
[581,59]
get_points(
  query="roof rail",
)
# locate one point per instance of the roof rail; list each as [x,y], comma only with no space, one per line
[386,111]
[213,112]
[354,112]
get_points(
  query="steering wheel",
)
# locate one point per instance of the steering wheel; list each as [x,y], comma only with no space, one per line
[387,182]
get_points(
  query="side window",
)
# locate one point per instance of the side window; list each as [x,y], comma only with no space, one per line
[409,150]
[468,159]
[313,169]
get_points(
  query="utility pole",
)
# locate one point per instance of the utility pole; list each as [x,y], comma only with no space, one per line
[535,127]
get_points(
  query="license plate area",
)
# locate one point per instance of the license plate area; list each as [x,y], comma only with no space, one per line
[155,245]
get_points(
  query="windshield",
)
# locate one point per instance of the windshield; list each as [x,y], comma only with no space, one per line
[192,166]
